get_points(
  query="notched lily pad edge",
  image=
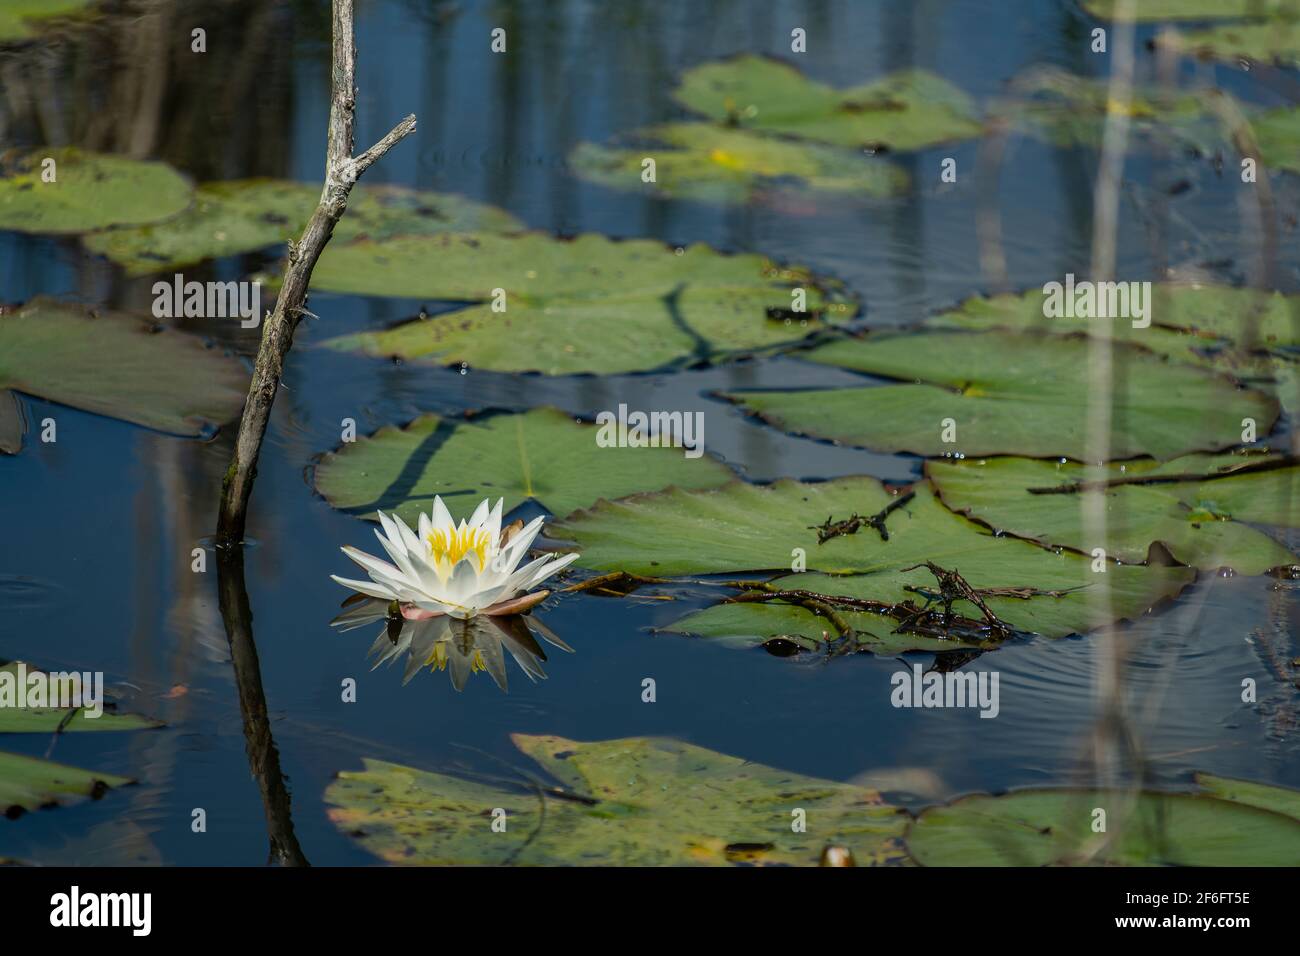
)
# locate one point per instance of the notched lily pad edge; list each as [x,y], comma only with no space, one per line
[474,416]
[148,325]
[877,149]
[834,290]
[1158,551]
[1203,795]
[760,577]
[872,379]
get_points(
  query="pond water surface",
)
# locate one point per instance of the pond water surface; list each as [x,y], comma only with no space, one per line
[98,528]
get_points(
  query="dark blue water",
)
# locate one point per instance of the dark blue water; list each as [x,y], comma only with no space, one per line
[96,531]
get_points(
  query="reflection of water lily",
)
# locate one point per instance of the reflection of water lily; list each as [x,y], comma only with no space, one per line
[456,570]
[461,647]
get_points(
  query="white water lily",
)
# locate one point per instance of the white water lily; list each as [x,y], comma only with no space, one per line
[458,570]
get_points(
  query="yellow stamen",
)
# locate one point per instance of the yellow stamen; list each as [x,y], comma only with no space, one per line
[453,544]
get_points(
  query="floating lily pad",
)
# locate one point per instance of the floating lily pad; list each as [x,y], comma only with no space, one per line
[20,19]
[116,365]
[245,215]
[1205,524]
[91,191]
[47,720]
[1151,10]
[747,625]
[1273,41]
[12,424]
[633,802]
[1210,314]
[715,164]
[1247,333]
[1054,827]
[1276,799]
[752,528]
[1277,134]
[654,307]
[1011,394]
[543,455]
[1069,110]
[908,110]
[28,783]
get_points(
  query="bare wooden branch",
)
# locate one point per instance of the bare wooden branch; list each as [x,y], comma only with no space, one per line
[341,174]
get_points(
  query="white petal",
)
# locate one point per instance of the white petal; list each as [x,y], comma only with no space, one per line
[441,516]
[544,572]
[518,581]
[494,523]
[462,586]
[392,543]
[480,514]
[381,571]
[429,604]
[367,587]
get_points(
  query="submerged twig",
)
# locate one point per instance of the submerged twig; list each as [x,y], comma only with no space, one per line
[851,525]
[602,583]
[342,170]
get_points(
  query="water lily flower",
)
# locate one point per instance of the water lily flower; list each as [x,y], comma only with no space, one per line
[459,571]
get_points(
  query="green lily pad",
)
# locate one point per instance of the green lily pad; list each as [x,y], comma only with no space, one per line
[1277,134]
[752,528]
[1274,41]
[229,218]
[47,720]
[747,625]
[28,783]
[19,19]
[633,802]
[1054,827]
[1276,799]
[1247,333]
[1011,394]
[908,110]
[91,191]
[1207,315]
[1205,524]
[716,164]
[1152,10]
[1068,110]
[541,455]
[655,306]
[116,365]
[12,424]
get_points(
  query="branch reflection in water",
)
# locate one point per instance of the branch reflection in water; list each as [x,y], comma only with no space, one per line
[263,758]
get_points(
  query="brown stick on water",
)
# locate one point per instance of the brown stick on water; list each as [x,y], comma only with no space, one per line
[341,173]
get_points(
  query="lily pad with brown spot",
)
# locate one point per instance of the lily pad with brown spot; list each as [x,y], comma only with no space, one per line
[589,305]
[88,191]
[756,529]
[238,216]
[1057,828]
[710,163]
[907,110]
[640,801]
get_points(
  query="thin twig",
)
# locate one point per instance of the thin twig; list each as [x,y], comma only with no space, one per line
[1264,464]
[850,525]
[341,174]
